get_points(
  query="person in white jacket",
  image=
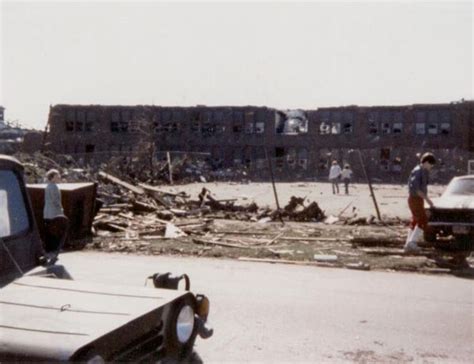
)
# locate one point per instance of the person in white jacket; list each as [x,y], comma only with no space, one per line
[56,223]
[334,175]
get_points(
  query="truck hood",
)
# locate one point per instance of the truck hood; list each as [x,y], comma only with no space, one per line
[52,318]
[455,202]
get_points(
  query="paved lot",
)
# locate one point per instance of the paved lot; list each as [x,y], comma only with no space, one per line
[279,313]
[391,198]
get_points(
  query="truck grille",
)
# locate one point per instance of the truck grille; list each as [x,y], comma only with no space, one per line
[146,348]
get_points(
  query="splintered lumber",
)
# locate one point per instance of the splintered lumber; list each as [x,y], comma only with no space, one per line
[377,240]
[242,232]
[118,181]
[110,210]
[142,206]
[306,238]
[286,261]
[275,239]
[227,245]
[149,188]
[383,251]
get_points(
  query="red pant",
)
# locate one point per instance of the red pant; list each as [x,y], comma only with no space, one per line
[417,208]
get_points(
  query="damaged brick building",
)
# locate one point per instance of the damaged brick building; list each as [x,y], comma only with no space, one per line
[301,143]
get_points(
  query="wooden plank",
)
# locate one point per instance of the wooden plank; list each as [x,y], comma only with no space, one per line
[227,245]
[294,238]
[149,188]
[293,262]
[118,181]
[275,239]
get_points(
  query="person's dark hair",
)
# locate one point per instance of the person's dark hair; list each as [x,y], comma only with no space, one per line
[428,157]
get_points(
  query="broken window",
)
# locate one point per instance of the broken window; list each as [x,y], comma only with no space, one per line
[291,157]
[249,128]
[336,128]
[373,123]
[208,129]
[248,156]
[69,125]
[397,128]
[384,159]
[291,122]
[134,126]
[303,158]
[347,128]
[237,122]
[156,127]
[236,128]
[432,128]
[420,128]
[279,153]
[324,127]
[90,148]
[79,126]
[123,126]
[250,116]
[259,127]
[89,126]
[196,127]
[386,128]
[336,117]
[397,165]
[114,127]
[445,128]
[237,156]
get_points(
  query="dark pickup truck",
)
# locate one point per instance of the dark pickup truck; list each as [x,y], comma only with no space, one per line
[45,316]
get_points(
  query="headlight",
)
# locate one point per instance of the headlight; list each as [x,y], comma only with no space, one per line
[96,359]
[185,324]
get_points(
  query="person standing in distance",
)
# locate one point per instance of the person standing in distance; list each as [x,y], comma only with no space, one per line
[334,175]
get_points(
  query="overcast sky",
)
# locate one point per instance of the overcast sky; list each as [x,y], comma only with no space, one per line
[286,55]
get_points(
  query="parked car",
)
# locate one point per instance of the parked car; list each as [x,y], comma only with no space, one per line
[453,215]
[48,317]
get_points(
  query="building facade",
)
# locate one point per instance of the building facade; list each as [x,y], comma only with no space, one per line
[300,143]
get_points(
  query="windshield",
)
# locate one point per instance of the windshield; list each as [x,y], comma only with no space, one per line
[13,214]
[461,187]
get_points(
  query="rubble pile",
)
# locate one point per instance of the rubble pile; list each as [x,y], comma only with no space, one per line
[136,216]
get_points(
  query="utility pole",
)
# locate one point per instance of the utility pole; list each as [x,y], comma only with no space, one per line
[369,182]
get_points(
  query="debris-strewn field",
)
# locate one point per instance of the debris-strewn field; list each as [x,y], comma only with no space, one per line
[241,220]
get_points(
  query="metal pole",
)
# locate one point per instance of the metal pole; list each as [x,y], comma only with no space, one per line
[170,168]
[369,182]
[273,184]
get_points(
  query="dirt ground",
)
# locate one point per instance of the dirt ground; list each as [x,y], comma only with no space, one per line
[331,243]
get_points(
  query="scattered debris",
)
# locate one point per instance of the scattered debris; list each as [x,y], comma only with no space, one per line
[136,215]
